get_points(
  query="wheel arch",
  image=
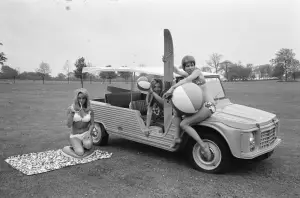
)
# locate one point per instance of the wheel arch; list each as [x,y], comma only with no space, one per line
[99,122]
[212,129]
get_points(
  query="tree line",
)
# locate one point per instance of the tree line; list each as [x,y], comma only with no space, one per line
[284,66]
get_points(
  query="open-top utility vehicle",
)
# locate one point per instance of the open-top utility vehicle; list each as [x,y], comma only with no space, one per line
[233,131]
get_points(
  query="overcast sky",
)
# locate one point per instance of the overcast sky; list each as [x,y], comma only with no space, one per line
[130,32]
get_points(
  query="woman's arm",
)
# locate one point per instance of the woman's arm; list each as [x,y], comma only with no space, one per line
[180,72]
[70,115]
[196,73]
[92,122]
[158,98]
[148,99]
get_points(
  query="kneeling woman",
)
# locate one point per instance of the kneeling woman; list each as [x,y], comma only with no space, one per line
[81,120]
[193,74]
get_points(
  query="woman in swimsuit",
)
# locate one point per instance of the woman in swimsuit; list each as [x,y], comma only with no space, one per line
[155,102]
[193,74]
[81,120]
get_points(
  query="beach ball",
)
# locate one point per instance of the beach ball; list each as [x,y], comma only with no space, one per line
[143,83]
[187,98]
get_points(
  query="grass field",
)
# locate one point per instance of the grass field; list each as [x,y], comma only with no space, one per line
[32,119]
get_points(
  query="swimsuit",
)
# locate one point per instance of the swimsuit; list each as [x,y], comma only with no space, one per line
[78,118]
[211,106]
[157,109]
[79,136]
[198,81]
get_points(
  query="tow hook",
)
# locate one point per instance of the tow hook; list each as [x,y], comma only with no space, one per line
[258,126]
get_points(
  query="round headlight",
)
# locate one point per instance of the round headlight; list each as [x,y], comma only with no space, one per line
[252,141]
[251,138]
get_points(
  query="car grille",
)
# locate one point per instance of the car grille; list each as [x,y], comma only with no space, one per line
[267,138]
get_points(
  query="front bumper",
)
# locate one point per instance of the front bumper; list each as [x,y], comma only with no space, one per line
[259,152]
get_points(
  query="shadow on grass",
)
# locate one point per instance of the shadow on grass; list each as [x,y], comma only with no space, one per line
[238,167]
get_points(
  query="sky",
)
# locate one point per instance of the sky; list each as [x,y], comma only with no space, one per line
[130,32]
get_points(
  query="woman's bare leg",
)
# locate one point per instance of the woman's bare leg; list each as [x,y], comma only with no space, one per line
[149,116]
[87,141]
[77,146]
[176,121]
[201,115]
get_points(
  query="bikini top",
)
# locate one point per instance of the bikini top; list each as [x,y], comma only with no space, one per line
[78,118]
[198,81]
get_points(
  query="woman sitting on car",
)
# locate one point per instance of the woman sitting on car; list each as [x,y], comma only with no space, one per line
[81,120]
[193,74]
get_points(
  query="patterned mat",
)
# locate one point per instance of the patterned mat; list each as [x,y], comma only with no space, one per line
[41,162]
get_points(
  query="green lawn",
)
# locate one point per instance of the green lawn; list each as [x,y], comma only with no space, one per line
[32,119]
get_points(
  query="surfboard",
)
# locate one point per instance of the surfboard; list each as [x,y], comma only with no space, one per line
[168,75]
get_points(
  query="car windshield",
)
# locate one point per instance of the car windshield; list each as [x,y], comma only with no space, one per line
[215,87]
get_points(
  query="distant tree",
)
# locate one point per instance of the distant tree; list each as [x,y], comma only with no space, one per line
[238,71]
[214,61]
[278,71]
[295,68]
[60,76]
[8,72]
[125,75]
[264,70]
[245,72]
[206,69]
[66,69]
[80,64]
[43,70]
[225,66]
[285,58]
[29,76]
[109,75]
[2,58]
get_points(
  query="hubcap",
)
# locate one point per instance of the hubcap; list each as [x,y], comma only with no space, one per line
[96,133]
[202,162]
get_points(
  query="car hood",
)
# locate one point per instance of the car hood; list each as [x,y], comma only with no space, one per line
[242,117]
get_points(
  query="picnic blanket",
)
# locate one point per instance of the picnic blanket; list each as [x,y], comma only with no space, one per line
[41,162]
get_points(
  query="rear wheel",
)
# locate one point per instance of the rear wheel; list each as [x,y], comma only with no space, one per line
[99,135]
[221,156]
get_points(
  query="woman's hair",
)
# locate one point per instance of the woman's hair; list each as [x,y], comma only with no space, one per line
[187,59]
[86,105]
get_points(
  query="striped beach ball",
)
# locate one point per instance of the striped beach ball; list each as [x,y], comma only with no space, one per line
[143,83]
[187,98]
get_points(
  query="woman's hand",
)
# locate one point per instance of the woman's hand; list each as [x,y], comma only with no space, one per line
[150,91]
[168,94]
[71,111]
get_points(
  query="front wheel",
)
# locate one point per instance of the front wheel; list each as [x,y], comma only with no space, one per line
[221,156]
[99,135]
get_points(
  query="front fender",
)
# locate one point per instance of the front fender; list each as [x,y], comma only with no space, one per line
[230,135]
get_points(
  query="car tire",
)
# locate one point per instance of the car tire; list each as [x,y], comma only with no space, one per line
[99,135]
[222,156]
